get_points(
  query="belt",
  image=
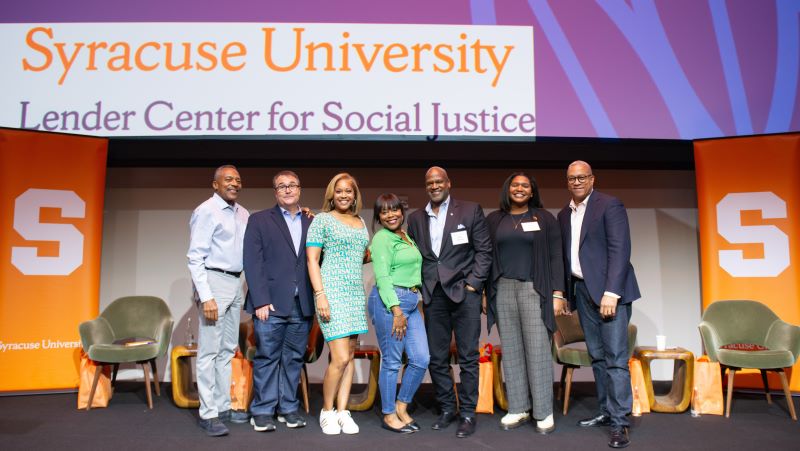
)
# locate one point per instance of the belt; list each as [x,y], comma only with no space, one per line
[230,273]
[576,278]
[411,289]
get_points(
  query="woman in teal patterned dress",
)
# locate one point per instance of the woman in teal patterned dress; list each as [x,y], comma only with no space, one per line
[340,236]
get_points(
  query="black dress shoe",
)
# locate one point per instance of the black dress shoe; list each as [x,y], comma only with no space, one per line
[414,425]
[443,421]
[466,427]
[405,429]
[599,420]
[619,438]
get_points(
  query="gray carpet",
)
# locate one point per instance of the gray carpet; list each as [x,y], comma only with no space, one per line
[53,422]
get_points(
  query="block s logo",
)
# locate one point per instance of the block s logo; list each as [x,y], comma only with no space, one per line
[26,222]
[776,242]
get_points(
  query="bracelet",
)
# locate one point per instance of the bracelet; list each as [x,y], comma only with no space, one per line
[558,296]
[318,293]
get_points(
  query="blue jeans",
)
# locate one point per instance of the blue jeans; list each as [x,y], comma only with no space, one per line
[607,343]
[415,345]
[280,346]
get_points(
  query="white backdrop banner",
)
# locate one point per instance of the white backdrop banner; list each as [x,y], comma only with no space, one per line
[174,79]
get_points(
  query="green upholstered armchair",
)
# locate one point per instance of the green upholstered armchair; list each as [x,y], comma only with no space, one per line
[568,331]
[117,336]
[750,324]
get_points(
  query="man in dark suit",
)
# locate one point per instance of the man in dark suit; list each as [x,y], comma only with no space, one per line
[281,300]
[453,238]
[602,284]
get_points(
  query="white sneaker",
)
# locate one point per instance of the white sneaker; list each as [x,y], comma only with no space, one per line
[514,420]
[329,422]
[346,422]
[546,426]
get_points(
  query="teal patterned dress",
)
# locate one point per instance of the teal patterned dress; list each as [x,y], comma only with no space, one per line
[342,261]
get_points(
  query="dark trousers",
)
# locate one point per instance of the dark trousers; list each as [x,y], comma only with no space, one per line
[280,346]
[443,318]
[607,343]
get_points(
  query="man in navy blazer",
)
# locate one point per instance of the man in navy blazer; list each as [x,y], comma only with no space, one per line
[602,285]
[453,238]
[280,299]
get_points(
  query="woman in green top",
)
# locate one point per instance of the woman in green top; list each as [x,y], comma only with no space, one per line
[393,309]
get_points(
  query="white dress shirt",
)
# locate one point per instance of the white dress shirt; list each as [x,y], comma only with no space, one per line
[436,224]
[576,221]
[216,241]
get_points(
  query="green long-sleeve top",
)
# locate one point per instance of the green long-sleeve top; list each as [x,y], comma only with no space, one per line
[396,263]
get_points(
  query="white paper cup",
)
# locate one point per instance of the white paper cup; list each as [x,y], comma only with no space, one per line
[661,342]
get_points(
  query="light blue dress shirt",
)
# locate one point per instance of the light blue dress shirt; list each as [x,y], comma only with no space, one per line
[436,224]
[216,241]
[295,224]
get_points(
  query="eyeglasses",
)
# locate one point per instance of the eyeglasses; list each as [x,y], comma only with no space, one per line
[289,187]
[578,178]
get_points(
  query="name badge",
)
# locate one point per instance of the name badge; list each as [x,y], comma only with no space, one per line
[532,226]
[459,237]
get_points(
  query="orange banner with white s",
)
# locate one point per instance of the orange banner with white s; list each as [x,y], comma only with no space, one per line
[748,192]
[51,217]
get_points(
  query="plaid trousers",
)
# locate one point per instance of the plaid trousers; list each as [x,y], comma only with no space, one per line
[527,359]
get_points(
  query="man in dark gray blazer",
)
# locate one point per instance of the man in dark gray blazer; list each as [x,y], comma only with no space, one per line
[602,284]
[281,300]
[453,238]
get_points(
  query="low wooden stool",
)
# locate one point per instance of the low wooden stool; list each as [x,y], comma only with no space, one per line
[183,392]
[364,400]
[680,393]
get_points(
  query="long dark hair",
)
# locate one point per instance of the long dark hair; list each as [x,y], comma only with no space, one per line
[387,201]
[534,202]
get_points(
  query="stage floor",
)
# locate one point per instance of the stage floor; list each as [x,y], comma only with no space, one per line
[53,422]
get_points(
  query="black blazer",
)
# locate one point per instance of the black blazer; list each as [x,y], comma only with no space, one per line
[605,249]
[547,268]
[456,265]
[271,266]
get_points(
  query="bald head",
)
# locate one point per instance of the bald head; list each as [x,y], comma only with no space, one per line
[437,184]
[580,181]
[438,169]
[582,164]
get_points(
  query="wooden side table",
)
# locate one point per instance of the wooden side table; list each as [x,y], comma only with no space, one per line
[680,393]
[184,393]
